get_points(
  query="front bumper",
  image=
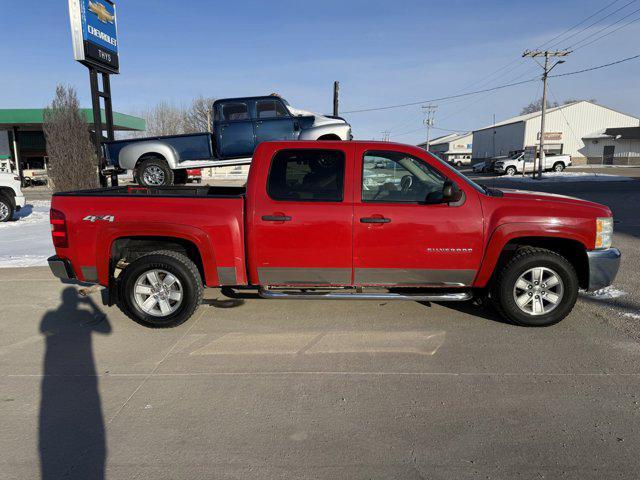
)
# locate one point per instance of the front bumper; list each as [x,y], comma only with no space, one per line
[61,268]
[603,267]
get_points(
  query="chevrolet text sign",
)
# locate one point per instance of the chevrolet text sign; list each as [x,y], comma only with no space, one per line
[94,33]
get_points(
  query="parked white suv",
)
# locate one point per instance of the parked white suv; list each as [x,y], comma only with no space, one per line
[11,197]
[515,164]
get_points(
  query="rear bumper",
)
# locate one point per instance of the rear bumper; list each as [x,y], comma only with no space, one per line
[61,268]
[603,267]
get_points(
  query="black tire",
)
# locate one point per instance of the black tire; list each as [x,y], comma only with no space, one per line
[502,293]
[558,167]
[151,165]
[180,177]
[176,264]
[510,171]
[458,164]
[6,209]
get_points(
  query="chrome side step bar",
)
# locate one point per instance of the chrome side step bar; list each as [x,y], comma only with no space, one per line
[435,297]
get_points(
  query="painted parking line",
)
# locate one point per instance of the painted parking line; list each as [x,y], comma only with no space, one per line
[314,343]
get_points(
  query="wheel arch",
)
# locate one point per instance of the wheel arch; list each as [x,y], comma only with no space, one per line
[502,246]
[129,248]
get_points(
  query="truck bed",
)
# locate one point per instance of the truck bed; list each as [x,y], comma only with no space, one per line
[204,191]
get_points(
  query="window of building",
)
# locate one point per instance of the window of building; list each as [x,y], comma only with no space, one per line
[307,175]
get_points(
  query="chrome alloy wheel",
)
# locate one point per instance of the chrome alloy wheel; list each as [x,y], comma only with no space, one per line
[4,211]
[538,291]
[158,293]
[153,175]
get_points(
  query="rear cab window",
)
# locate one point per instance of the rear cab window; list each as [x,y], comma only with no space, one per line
[307,175]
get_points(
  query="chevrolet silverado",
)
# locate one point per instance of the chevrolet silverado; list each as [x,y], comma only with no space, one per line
[335,220]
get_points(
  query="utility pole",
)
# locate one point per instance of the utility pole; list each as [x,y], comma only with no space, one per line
[546,69]
[336,94]
[429,112]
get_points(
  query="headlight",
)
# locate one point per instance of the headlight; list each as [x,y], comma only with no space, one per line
[604,232]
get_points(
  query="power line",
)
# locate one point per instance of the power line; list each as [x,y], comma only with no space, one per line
[595,68]
[612,31]
[499,87]
[388,107]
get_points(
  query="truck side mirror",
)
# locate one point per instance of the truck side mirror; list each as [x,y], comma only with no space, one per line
[450,192]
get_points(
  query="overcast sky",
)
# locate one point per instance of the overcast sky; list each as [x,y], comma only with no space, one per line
[382,53]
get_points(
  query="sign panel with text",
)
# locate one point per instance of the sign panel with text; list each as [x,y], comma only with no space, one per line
[94,33]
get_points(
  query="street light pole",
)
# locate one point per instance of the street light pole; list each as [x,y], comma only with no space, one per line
[546,69]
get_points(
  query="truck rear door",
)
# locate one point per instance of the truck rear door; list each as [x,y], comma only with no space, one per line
[233,128]
[403,233]
[273,121]
[300,223]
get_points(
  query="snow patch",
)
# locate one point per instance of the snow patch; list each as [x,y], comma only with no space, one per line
[634,316]
[26,241]
[606,293]
[572,177]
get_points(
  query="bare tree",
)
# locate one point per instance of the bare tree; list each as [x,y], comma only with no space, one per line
[573,100]
[537,107]
[72,160]
[163,119]
[197,117]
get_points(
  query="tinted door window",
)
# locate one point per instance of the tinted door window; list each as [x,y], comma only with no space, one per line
[235,111]
[398,177]
[307,175]
[271,109]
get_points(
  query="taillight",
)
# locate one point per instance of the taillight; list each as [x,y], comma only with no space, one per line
[58,228]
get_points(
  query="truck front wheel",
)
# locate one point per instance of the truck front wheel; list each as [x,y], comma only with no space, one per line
[154,172]
[510,171]
[161,289]
[536,288]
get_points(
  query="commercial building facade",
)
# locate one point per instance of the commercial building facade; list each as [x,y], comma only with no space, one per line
[613,146]
[23,147]
[454,147]
[565,129]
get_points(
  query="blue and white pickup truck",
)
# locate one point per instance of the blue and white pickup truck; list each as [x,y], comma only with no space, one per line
[239,125]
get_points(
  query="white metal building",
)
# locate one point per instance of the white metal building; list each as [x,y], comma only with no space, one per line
[565,128]
[613,146]
[452,147]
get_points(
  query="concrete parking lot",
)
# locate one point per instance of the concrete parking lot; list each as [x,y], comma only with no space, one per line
[262,389]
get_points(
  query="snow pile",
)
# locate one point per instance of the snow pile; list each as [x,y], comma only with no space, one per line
[571,177]
[606,293]
[26,241]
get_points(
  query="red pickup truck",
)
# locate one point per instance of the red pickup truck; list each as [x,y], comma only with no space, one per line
[335,220]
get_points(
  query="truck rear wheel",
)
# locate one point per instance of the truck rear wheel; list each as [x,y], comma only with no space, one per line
[161,289]
[558,167]
[154,172]
[536,288]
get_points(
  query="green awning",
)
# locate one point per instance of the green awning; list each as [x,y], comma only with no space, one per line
[34,117]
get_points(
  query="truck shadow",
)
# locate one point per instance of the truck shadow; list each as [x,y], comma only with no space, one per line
[483,311]
[71,431]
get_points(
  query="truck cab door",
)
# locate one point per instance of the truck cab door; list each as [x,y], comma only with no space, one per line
[273,121]
[300,224]
[404,235]
[233,129]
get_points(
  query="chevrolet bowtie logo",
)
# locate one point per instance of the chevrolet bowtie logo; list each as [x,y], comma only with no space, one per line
[101,11]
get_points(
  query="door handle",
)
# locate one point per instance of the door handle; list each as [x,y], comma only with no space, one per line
[276,218]
[375,220]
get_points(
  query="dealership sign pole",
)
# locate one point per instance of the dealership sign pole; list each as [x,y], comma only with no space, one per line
[95,44]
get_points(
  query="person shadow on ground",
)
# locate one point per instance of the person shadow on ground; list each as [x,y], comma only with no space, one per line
[71,431]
